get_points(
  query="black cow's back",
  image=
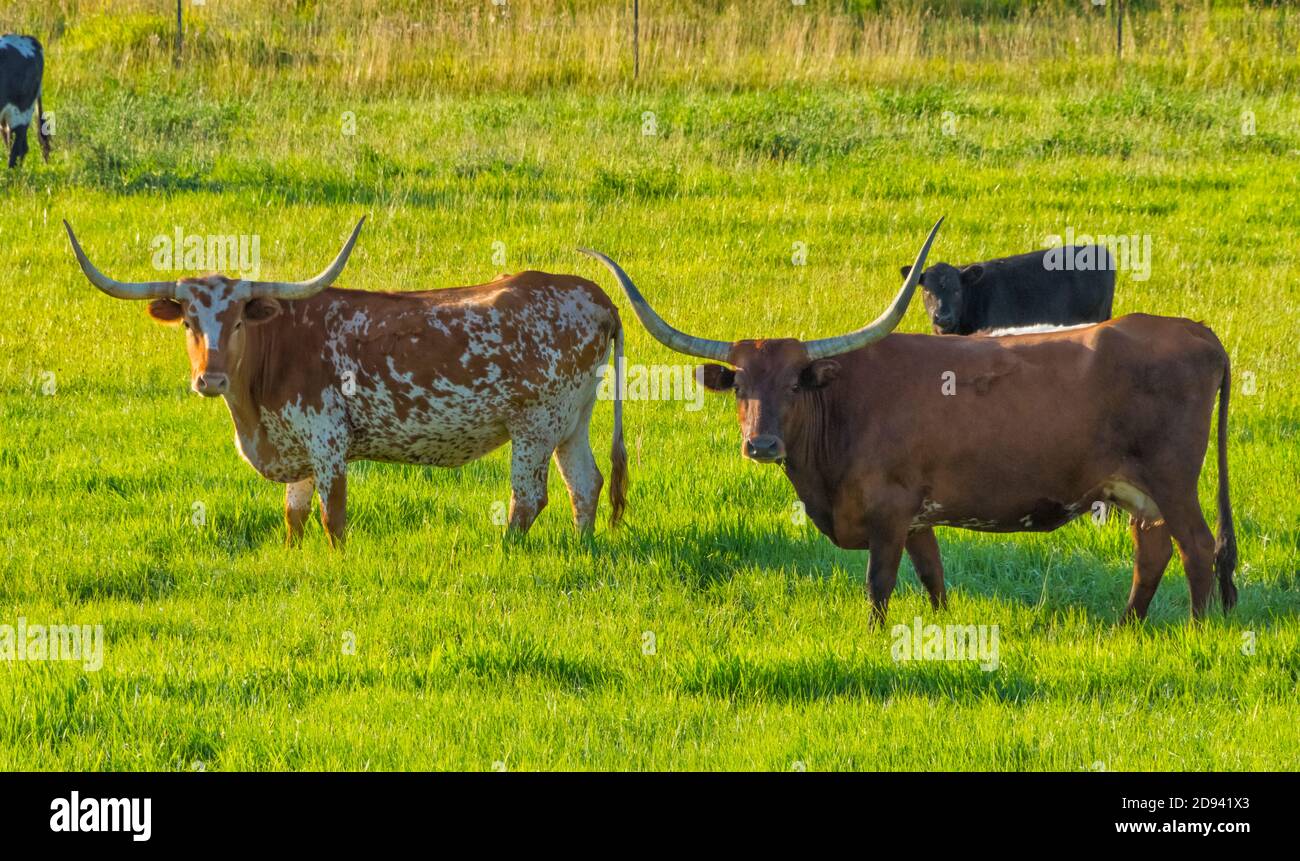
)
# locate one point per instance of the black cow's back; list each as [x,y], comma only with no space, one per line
[1023,291]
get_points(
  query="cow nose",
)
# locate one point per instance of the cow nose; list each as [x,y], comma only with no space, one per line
[764,449]
[211,385]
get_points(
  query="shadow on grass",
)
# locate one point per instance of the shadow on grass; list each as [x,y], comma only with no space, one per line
[1063,577]
[853,677]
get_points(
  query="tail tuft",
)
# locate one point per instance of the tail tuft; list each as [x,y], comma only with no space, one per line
[1225,562]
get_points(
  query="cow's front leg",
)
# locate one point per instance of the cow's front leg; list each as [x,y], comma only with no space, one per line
[882,572]
[297,508]
[18,147]
[332,486]
[876,516]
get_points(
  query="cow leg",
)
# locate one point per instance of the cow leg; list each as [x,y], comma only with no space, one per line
[529,467]
[19,147]
[580,473]
[882,574]
[1196,547]
[297,508]
[1152,549]
[332,487]
[923,550]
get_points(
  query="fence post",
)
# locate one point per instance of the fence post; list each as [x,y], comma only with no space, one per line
[636,39]
[180,30]
[1119,30]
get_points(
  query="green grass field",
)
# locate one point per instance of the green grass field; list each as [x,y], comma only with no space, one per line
[434,643]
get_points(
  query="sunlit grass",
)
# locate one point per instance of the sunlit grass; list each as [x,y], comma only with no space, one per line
[226,651]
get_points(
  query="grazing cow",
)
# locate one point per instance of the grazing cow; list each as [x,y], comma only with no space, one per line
[21,66]
[1019,291]
[316,377]
[885,436]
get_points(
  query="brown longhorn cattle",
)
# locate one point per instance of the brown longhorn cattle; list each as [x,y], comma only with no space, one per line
[316,377]
[885,436]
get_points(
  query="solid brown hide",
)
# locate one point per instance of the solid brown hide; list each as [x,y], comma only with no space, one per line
[1006,434]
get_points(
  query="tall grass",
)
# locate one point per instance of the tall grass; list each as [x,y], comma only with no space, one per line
[416,48]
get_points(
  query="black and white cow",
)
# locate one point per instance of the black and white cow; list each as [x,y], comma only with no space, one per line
[21,64]
[1024,290]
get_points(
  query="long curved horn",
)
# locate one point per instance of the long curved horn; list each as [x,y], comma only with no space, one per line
[671,338]
[824,348]
[119,289]
[304,289]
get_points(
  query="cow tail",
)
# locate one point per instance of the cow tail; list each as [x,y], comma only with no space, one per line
[617,451]
[1225,548]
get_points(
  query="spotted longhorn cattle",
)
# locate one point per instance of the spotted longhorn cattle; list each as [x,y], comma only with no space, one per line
[316,377]
[22,63]
[886,436]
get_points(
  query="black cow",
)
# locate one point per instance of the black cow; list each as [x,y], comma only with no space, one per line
[1019,291]
[21,65]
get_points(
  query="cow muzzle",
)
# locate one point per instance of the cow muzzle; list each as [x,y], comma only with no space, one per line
[211,385]
[764,449]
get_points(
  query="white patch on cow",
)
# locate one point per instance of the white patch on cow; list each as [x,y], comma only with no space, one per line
[516,377]
[925,516]
[298,495]
[1038,329]
[24,45]
[1133,499]
[12,118]
[976,523]
[1027,520]
[207,311]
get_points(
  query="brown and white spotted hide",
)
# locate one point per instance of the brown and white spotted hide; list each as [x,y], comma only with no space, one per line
[437,378]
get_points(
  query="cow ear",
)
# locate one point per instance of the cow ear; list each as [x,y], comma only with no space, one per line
[261,309]
[717,378]
[166,311]
[819,373]
[972,273]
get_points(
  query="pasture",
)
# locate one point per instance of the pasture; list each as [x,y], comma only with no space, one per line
[763,177]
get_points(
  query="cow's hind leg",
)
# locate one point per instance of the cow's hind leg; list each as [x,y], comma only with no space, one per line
[1196,547]
[532,439]
[578,468]
[923,550]
[1152,548]
[297,508]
